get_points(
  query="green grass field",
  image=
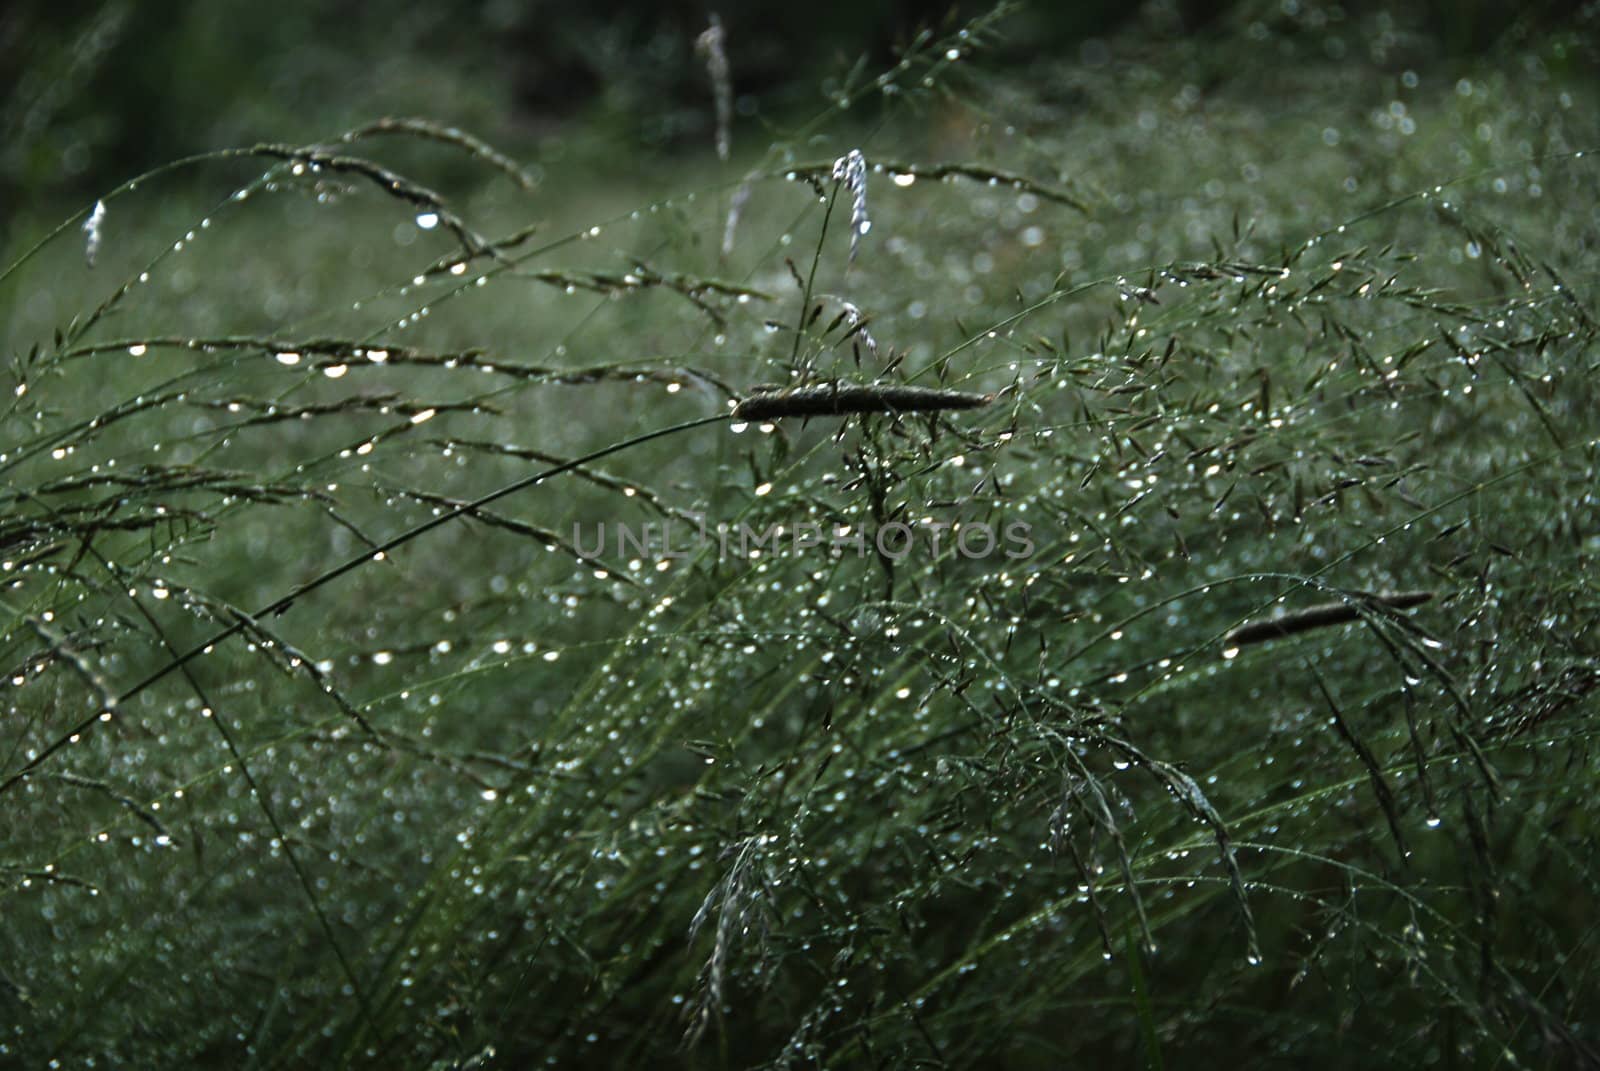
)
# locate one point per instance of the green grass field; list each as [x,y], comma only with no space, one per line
[316,753]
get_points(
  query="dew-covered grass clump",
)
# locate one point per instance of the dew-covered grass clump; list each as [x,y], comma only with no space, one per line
[1142,613]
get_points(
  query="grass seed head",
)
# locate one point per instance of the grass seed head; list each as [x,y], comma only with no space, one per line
[711,44]
[1319,616]
[851,169]
[840,399]
[91,230]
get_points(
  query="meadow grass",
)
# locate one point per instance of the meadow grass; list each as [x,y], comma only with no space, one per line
[332,740]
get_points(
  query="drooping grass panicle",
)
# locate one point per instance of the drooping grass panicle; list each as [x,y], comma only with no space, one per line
[842,399]
[92,234]
[712,44]
[851,169]
[699,291]
[431,209]
[856,323]
[905,174]
[736,203]
[449,135]
[740,903]
[1319,616]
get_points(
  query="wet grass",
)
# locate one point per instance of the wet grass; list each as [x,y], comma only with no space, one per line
[334,734]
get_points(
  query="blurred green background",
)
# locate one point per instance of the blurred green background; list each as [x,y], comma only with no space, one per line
[95,93]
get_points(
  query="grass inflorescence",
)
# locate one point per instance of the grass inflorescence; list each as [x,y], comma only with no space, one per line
[1191,655]
[838,399]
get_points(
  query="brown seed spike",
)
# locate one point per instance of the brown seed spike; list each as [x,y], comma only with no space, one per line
[1321,616]
[843,399]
